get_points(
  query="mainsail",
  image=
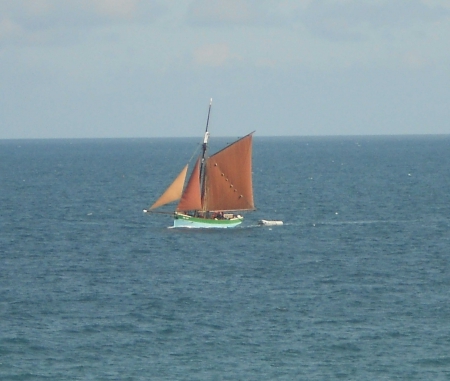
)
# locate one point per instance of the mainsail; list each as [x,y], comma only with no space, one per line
[228,178]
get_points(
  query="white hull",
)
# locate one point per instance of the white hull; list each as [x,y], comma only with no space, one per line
[270,223]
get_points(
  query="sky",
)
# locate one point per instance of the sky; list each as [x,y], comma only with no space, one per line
[148,68]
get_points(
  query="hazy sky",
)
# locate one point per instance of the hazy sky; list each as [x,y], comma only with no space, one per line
[147,68]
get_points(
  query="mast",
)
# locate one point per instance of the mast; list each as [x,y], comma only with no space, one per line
[204,148]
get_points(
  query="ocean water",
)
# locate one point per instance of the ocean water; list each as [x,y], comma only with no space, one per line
[354,286]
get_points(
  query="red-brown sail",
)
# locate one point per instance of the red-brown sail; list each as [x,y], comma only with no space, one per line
[191,197]
[228,180]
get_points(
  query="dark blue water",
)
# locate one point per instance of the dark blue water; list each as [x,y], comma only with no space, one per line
[354,286]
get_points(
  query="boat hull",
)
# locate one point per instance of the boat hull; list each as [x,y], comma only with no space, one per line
[186,221]
[270,223]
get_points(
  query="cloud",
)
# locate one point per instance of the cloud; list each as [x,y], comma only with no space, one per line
[219,13]
[415,60]
[28,21]
[8,29]
[213,55]
[353,19]
[126,9]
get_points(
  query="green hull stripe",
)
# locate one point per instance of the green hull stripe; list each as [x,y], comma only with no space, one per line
[208,220]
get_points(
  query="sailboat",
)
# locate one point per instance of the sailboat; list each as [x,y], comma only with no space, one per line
[218,188]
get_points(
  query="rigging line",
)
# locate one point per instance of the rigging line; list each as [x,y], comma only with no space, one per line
[194,153]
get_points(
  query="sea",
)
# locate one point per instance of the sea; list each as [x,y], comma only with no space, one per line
[354,286]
